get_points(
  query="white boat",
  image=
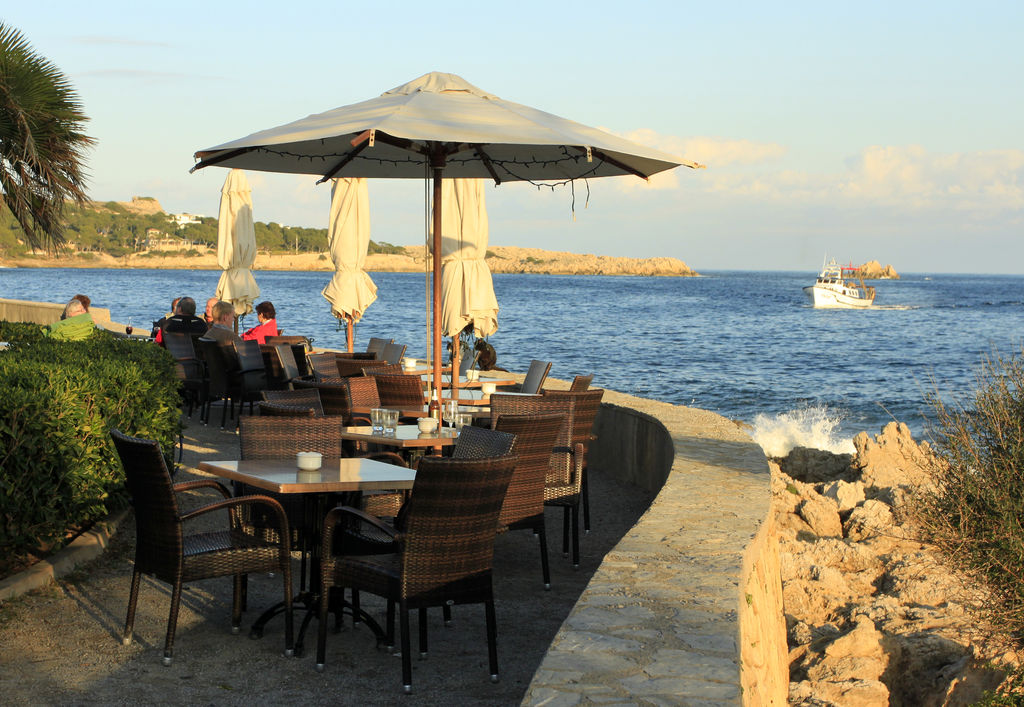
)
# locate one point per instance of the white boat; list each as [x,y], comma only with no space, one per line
[836,288]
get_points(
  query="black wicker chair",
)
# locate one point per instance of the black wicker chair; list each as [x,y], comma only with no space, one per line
[165,551]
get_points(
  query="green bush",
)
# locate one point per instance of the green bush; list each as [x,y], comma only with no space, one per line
[975,507]
[58,466]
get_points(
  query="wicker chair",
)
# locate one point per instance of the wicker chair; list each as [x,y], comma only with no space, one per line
[400,391]
[284,410]
[447,549]
[348,367]
[393,353]
[333,396]
[580,383]
[164,551]
[387,369]
[300,345]
[323,365]
[225,380]
[188,367]
[588,404]
[536,374]
[565,472]
[524,503]
[305,397]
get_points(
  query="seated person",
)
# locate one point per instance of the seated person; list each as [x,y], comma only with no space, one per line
[159,323]
[267,326]
[76,325]
[222,330]
[184,321]
[208,316]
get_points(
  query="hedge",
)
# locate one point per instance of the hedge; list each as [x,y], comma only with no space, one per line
[58,402]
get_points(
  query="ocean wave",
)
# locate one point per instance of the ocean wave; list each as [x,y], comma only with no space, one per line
[815,426]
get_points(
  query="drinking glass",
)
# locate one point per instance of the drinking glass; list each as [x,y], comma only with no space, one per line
[451,409]
[461,420]
[377,420]
[128,329]
[390,422]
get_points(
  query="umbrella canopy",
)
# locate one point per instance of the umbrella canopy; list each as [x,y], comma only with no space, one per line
[236,244]
[439,125]
[467,290]
[351,290]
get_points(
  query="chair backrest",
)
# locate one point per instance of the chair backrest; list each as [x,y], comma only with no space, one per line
[587,405]
[285,410]
[362,390]
[386,369]
[179,345]
[216,367]
[480,443]
[323,365]
[333,396]
[535,376]
[562,469]
[355,367]
[400,391]
[535,442]
[250,358]
[304,341]
[303,397]
[158,533]
[393,353]
[286,359]
[451,522]
[376,345]
[580,383]
[284,437]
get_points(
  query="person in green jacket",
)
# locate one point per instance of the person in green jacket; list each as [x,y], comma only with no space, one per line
[78,324]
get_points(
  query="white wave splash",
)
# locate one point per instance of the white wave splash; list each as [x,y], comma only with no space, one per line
[811,426]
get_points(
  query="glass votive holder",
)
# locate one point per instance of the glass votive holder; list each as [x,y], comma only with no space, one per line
[377,420]
[390,422]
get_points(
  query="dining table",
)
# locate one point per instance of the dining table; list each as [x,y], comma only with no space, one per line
[349,475]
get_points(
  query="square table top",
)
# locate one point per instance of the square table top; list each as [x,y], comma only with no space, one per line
[334,476]
[406,436]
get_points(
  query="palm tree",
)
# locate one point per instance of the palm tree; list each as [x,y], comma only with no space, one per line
[41,141]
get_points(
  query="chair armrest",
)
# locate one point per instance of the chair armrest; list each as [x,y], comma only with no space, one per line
[232,504]
[202,483]
[335,515]
[391,457]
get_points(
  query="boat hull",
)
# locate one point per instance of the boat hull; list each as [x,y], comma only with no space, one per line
[826,298]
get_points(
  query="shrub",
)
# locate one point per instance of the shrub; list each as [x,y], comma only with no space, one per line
[58,467]
[975,508]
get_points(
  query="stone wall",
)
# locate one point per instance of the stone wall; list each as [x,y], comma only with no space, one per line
[13,310]
[688,606]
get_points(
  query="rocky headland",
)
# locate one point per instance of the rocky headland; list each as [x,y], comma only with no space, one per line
[874,616]
[873,270]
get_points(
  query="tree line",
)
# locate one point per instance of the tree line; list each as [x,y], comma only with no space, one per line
[112,228]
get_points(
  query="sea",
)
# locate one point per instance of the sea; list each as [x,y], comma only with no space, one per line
[742,344]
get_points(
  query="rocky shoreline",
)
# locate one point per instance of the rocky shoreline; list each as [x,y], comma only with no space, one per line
[505,259]
[873,614]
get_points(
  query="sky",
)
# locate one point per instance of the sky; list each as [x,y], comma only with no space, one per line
[886,131]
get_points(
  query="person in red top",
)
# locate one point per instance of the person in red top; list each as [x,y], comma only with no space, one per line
[267,326]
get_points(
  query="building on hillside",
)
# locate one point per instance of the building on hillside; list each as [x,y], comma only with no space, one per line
[185,219]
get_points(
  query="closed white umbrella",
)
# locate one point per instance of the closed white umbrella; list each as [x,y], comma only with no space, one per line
[444,126]
[351,290]
[467,289]
[236,244]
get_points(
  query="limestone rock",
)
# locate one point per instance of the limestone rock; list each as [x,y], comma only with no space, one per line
[853,693]
[892,458]
[817,465]
[873,270]
[846,495]
[822,515]
[870,519]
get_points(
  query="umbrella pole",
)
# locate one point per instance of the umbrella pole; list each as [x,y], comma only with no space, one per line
[437,163]
[350,332]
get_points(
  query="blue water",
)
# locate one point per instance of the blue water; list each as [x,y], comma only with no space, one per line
[743,344]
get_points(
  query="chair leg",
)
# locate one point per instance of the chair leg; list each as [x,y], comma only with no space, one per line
[545,569]
[585,490]
[289,633]
[403,627]
[355,608]
[446,612]
[321,634]
[133,597]
[423,632]
[390,626]
[492,638]
[224,413]
[565,531]
[575,535]
[172,623]
[236,603]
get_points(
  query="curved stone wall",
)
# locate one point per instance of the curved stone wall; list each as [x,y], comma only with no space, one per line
[688,606]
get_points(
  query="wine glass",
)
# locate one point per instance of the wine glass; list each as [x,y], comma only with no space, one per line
[128,329]
[450,411]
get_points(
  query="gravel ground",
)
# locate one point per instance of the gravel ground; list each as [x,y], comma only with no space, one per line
[61,645]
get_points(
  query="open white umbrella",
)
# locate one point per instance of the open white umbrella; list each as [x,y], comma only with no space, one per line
[439,125]
[351,290]
[236,244]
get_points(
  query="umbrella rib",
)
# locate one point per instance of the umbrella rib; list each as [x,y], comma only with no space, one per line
[217,159]
[488,165]
[611,160]
[341,165]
